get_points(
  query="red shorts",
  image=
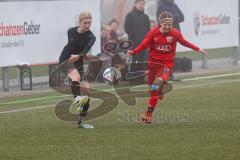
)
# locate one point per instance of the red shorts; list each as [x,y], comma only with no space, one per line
[158,71]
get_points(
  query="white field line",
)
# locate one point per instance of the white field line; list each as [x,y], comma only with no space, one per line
[206,84]
[26,109]
[199,85]
[108,90]
[33,100]
[184,87]
[210,77]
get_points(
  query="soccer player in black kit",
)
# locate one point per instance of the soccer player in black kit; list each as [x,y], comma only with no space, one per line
[80,41]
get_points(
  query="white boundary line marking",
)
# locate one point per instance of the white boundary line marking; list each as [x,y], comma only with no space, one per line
[208,83]
[209,77]
[185,87]
[108,90]
[33,99]
[26,109]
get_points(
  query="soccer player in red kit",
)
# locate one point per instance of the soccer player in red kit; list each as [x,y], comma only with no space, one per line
[161,42]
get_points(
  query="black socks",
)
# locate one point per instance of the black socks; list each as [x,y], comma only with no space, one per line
[75,87]
[85,109]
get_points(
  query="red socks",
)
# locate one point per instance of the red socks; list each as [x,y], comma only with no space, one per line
[153,99]
[155,95]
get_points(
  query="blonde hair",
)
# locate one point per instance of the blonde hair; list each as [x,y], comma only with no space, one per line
[85,15]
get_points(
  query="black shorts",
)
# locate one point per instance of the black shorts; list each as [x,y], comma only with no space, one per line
[65,66]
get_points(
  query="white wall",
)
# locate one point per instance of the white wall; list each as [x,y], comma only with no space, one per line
[54,18]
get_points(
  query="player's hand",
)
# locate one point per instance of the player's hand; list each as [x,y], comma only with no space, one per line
[73,58]
[204,52]
[129,53]
[88,57]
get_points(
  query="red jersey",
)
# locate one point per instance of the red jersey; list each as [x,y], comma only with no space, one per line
[162,46]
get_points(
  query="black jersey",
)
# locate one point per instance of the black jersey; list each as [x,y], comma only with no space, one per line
[78,44]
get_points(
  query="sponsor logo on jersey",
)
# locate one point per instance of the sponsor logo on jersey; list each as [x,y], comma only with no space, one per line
[163,48]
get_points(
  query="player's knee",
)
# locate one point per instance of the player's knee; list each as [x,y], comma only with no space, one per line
[76,78]
[159,80]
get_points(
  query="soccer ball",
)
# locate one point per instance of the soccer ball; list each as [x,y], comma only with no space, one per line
[112,76]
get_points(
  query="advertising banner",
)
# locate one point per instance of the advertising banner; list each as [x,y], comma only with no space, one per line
[210,23]
[36,32]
